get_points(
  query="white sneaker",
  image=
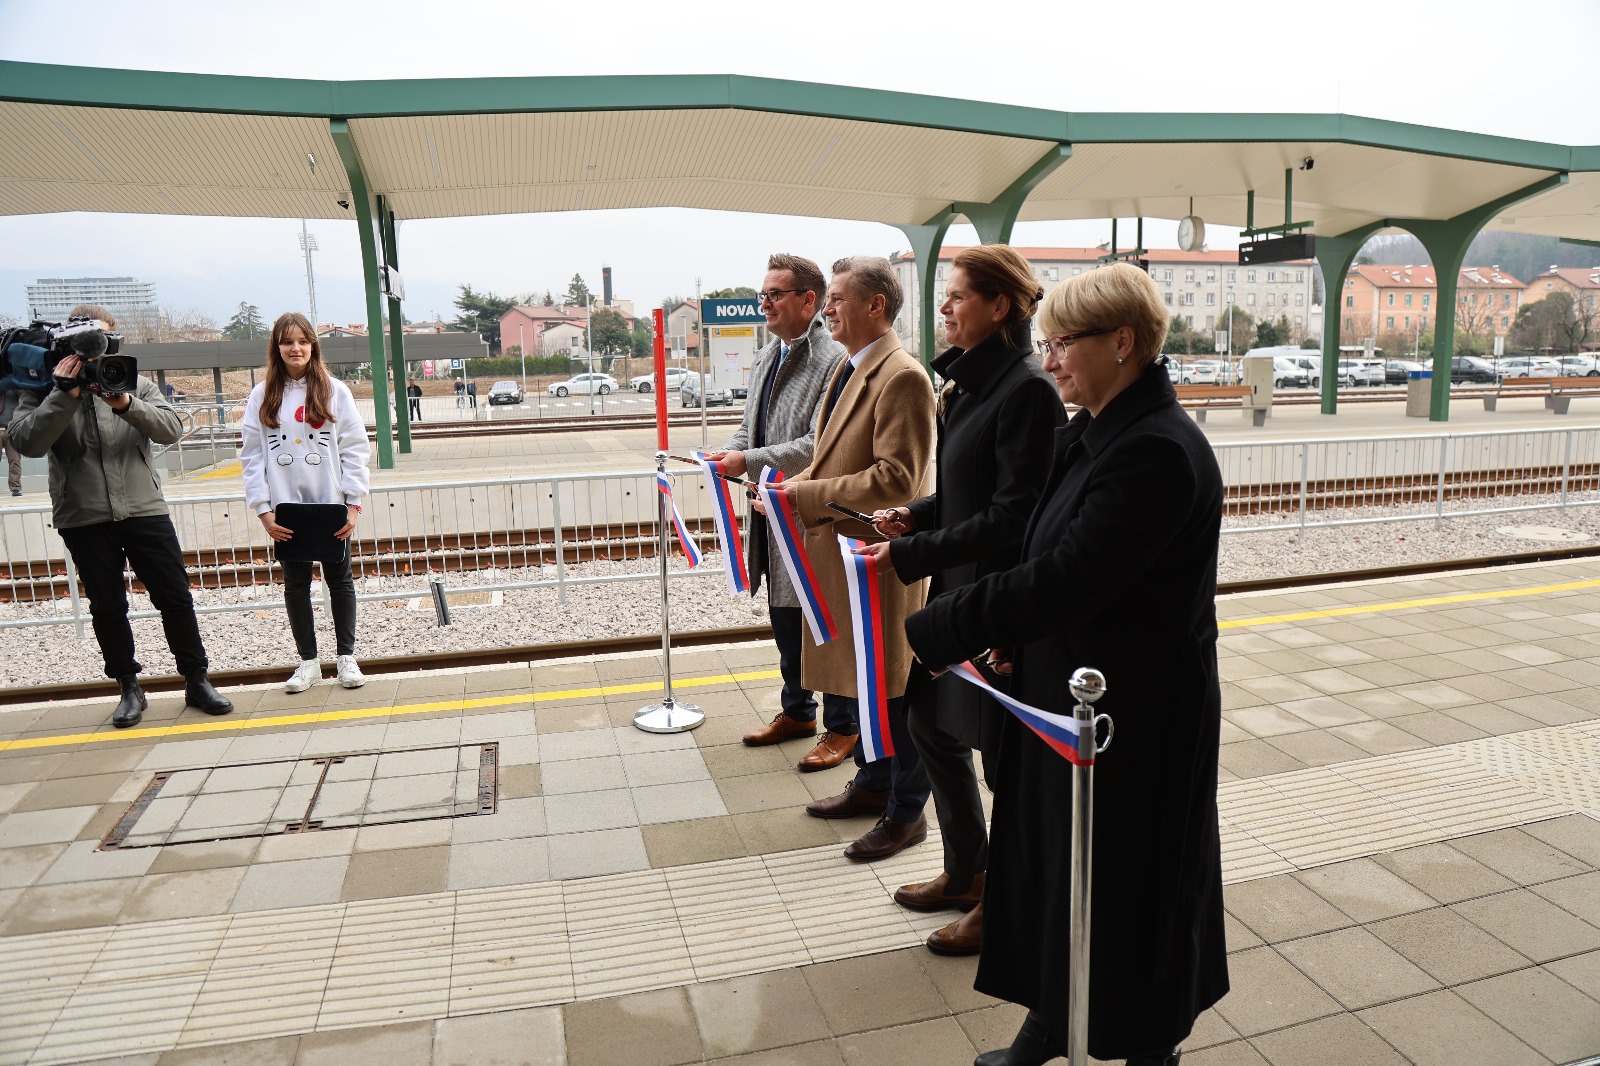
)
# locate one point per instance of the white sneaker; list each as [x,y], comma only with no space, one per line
[308,673]
[350,675]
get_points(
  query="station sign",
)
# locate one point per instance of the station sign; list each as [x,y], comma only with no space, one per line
[1282,250]
[740,309]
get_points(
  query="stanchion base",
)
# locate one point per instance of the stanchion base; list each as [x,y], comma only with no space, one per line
[668,717]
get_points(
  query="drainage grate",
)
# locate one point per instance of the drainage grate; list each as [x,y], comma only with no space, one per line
[343,791]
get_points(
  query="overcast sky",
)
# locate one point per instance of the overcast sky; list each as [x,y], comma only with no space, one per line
[1462,64]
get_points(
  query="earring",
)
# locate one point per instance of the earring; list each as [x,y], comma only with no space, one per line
[1120,361]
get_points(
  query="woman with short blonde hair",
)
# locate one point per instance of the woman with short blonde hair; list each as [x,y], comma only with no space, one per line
[1118,573]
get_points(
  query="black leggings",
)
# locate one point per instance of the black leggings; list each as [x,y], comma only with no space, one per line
[297,599]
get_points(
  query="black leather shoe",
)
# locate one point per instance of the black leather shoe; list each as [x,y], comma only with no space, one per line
[887,838]
[200,695]
[1032,1046]
[130,708]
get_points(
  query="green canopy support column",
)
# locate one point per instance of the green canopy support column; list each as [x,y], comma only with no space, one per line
[397,344]
[365,211]
[1335,256]
[926,240]
[994,220]
[1446,241]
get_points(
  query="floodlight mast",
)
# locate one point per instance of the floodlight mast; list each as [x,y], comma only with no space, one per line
[308,244]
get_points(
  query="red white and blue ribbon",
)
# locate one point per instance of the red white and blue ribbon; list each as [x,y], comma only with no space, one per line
[1057,730]
[690,548]
[726,520]
[866,617]
[796,563]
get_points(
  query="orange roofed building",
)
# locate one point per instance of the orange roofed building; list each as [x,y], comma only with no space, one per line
[1396,305]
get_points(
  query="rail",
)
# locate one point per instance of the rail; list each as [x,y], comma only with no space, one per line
[556,531]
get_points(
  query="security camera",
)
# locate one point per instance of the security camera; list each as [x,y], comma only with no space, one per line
[1308,164]
[344,204]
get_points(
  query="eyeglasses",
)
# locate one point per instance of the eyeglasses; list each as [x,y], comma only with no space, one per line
[1058,345]
[771,295]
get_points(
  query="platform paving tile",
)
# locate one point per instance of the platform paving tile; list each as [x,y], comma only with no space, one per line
[1402,865]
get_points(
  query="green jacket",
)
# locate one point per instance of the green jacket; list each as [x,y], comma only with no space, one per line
[100,464]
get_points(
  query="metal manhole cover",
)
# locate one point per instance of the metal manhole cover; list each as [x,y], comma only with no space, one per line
[343,791]
[1545,533]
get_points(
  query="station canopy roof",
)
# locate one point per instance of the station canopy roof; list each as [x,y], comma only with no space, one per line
[163,143]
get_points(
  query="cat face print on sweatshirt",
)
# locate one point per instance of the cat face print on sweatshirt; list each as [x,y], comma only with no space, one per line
[311,444]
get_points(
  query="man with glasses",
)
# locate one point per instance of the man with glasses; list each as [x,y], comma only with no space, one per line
[874,450]
[786,386]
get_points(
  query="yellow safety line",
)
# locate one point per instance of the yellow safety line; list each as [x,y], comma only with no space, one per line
[229,724]
[230,468]
[221,725]
[1400,605]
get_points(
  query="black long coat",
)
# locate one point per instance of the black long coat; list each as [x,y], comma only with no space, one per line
[1118,573]
[994,455]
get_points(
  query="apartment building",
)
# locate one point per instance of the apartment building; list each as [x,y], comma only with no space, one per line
[129,299]
[1199,286]
[1396,305]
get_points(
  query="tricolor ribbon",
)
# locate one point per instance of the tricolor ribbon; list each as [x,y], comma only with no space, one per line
[690,548]
[1057,730]
[866,617]
[796,563]
[726,521]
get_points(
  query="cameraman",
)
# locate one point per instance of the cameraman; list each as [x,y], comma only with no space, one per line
[108,508]
[9,398]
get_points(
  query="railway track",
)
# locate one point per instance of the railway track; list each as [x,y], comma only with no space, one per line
[704,637]
[454,552]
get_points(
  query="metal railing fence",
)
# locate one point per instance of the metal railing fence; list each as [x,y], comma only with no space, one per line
[556,531]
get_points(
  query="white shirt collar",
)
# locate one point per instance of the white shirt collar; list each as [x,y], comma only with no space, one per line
[855,360]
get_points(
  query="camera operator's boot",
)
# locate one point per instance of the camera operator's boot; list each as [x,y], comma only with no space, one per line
[130,708]
[200,695]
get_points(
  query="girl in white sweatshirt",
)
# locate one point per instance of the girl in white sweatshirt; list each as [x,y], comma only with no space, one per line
[304,442]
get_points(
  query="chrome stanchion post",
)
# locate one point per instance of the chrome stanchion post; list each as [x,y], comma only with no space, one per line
[668,716]
[1087,686]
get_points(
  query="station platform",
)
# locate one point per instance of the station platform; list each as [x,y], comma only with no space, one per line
[1410,807]
[541,452]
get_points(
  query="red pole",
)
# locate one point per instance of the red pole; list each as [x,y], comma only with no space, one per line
[661,378]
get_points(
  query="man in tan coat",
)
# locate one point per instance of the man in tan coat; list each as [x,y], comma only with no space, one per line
[874,447]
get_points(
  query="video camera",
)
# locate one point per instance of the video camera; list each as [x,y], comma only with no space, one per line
[29,354]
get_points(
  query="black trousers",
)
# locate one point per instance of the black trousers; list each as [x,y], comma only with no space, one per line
[416,408]
[297,601]
[902,775]
[838,712]
[947,761]
[150,546]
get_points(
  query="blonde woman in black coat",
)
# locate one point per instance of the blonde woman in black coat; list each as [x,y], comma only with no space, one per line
[998,412]
[1118,573]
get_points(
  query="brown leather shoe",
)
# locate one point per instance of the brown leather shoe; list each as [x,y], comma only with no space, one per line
[781,728]
[831,750]
[935,895]
[887,838]
[964,936]
[849,803]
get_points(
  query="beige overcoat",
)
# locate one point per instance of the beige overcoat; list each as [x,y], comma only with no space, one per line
[875,450]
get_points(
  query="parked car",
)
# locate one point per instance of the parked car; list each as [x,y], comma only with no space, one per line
[1312,366]
[689,393]
[1527,366]
[1175,372]
[583,385]
[1469,369]
[647,382]
[1354,372]
[1205,372]
[1579,366]
[505,392]
[1287,374]
[1398,371]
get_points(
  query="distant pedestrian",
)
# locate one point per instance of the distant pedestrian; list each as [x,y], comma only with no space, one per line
[461,393]
[414,391]
[8,407]
[472,394]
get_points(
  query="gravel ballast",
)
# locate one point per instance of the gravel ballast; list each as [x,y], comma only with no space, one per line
[391,625]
